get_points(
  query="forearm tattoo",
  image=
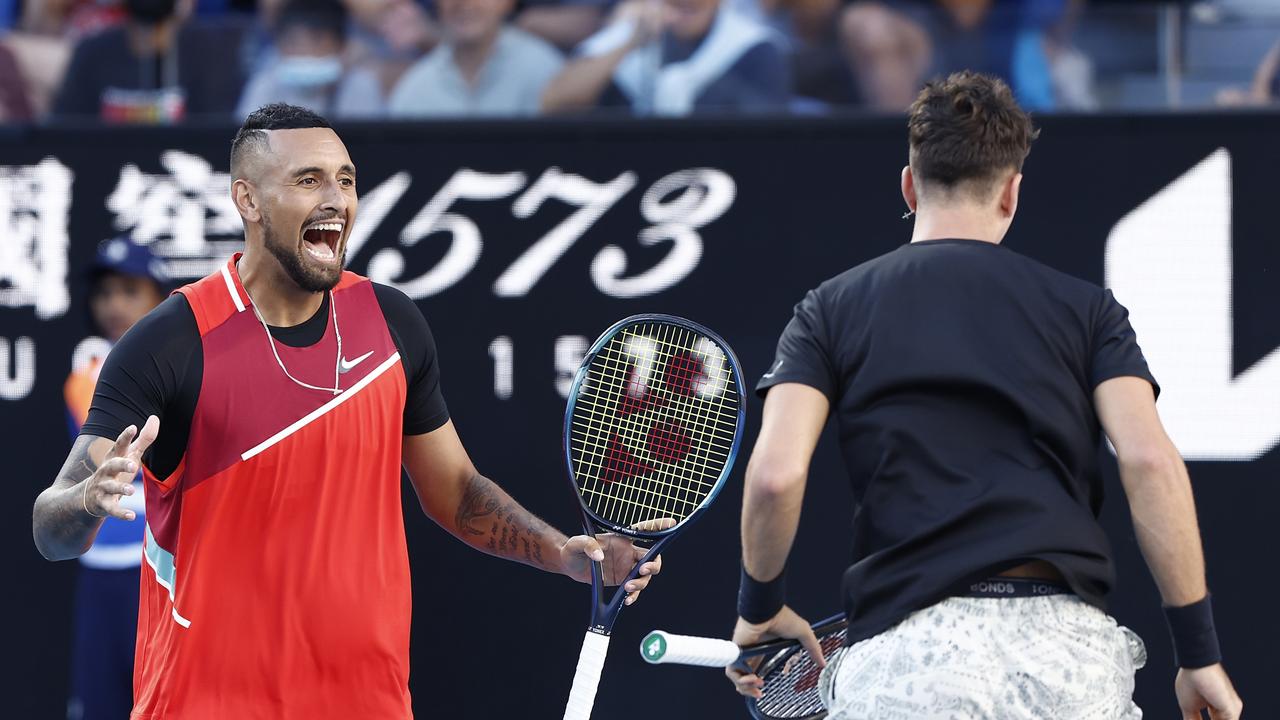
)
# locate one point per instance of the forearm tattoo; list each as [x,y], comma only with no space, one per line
[59,517]
[489,517]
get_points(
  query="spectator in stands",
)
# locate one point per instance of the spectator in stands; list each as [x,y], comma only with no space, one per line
[1265,88]
[39,46]
[888,56]
[676,57]
[153,69]
[892,47]
[15,104]
[308,68]
[484,66]
[390,35]
[563,23]
[125,283]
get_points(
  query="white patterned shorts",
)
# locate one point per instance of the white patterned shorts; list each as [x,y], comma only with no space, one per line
[1054,657]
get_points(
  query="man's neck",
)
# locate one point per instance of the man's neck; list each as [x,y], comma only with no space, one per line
[148,40]
[471,57]
[278,298]
[940,225]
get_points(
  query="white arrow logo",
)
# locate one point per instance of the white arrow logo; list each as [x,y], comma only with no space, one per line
[1169,262]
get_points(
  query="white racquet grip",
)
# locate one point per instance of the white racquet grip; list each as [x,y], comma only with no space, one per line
[662,647]
[582,697]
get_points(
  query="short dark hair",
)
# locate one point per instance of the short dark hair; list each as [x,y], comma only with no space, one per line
[251,137]
[965,131]
[328,16]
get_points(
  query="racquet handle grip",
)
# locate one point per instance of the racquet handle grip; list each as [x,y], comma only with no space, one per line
[663,647]
[582,697]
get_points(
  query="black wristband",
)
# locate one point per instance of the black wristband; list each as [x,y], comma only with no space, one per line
[1195,640]
[760,601]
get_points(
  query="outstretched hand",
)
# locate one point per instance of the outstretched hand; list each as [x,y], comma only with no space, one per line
[617,555]
[786,624]
[114,477]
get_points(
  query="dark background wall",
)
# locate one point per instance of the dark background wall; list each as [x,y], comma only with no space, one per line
[808,199]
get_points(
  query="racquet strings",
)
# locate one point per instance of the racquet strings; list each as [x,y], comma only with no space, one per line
[791,680]
[653,424]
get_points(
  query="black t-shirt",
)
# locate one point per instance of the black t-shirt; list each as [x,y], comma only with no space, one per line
[199,77]
[158,366]
[961,376]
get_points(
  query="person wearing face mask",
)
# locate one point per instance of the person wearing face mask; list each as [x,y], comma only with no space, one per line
[483,66]
[154,68]
[125,283]
[674,58]
[308,68]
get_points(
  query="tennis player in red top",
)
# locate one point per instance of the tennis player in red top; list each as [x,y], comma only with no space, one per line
[271,407]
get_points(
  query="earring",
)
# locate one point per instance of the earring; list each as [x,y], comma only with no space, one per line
[908,214]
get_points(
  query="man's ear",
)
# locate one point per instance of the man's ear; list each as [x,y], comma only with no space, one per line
[245,196]
[909,188]
[1009,195]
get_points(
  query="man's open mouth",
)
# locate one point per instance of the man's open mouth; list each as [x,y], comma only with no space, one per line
[321,239]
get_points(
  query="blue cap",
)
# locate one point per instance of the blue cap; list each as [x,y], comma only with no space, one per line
[122,256]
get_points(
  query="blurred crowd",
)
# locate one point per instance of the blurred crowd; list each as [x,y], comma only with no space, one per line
[165,61]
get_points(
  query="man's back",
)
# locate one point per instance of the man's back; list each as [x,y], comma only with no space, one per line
[961,374]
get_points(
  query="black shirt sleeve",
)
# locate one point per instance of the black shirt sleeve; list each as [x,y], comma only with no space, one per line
[803,352]
[1115,346]
[155,369]
[424,407]
[77,94]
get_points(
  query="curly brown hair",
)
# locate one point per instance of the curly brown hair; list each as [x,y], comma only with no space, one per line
[965,132]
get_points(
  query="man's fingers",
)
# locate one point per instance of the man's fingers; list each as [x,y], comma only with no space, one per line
[653,567]
[655,524]
[636,585]
[146,436]
[111,487]
[810,643]
[118,466]
[121,445]
[587,546]
[116,510]
[745,683]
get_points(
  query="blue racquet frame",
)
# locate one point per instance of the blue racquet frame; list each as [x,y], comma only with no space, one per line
[604,612]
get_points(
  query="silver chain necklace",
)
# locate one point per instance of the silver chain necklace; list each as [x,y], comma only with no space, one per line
[337,361]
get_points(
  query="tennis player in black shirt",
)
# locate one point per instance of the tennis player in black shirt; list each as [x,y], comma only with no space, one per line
[971,386]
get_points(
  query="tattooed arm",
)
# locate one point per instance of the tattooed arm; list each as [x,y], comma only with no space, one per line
[472,507]
[475,510]
[97,473]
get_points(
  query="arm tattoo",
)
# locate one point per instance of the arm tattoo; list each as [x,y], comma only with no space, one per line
[507,529]
[81,470]
[61,527]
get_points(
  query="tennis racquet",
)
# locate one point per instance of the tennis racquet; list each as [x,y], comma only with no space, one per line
[651,431]
[790,675]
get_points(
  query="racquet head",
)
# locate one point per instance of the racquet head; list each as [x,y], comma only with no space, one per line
[653,424]
[791,677]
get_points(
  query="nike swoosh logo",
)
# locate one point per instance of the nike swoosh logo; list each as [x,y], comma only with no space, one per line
[345,364]
[773,372]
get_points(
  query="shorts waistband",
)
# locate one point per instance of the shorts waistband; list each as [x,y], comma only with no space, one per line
[1013,587]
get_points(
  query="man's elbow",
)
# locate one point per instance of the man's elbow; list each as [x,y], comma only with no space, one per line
[50,551]
[46,542]
[1149,460]
[775,480]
